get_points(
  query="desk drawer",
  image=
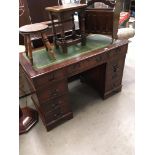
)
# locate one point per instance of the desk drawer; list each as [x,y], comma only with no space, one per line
[55,103]
[57,113]
[49,78]
[86,64]
[113,84]
[116,52]
[52,91]
[115,67]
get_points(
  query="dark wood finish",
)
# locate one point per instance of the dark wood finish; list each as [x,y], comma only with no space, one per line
[26,88]
[111,72]
[51,98]
[48,45]
[28,30]
[24,17]
[37,9]
[103,20]
[65,13]
[32,11]
[28,118]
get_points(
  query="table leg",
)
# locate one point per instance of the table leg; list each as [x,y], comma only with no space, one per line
[54,30]
[73,27]
[47,45]
[62,33]
[29,48]
[82,27]
[26,46]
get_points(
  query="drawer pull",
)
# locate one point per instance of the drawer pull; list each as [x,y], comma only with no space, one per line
[115,67]
[109,54]
[99,59]
[51,77]
[117,50]
[54,93]
[114,85]
[56,115]
[54,105]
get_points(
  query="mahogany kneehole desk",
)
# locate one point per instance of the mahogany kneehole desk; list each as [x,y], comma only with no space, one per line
[102,68]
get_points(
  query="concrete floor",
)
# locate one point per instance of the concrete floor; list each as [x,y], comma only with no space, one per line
[99,127]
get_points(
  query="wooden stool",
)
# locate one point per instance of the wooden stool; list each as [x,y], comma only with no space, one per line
[65,13]
[27,30]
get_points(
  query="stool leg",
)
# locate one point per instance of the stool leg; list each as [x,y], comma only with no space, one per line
[62,33]
[73,27]
[82,27]
[54,30]
[29,48]
[48,45]
[26,46]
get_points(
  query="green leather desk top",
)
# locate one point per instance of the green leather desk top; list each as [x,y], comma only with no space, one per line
[41,58]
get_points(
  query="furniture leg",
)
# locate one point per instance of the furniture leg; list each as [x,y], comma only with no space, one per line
[47,45]
[73,28]
[26,46]
[61,19]
[54,30]
[29,48]
[82,27]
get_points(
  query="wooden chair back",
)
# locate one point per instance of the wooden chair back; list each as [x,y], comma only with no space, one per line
[103,20]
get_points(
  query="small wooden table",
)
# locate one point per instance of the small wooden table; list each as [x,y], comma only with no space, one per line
[65,13]
[27,31]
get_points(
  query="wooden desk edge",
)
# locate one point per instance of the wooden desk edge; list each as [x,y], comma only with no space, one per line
[32,72]
[65,7]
